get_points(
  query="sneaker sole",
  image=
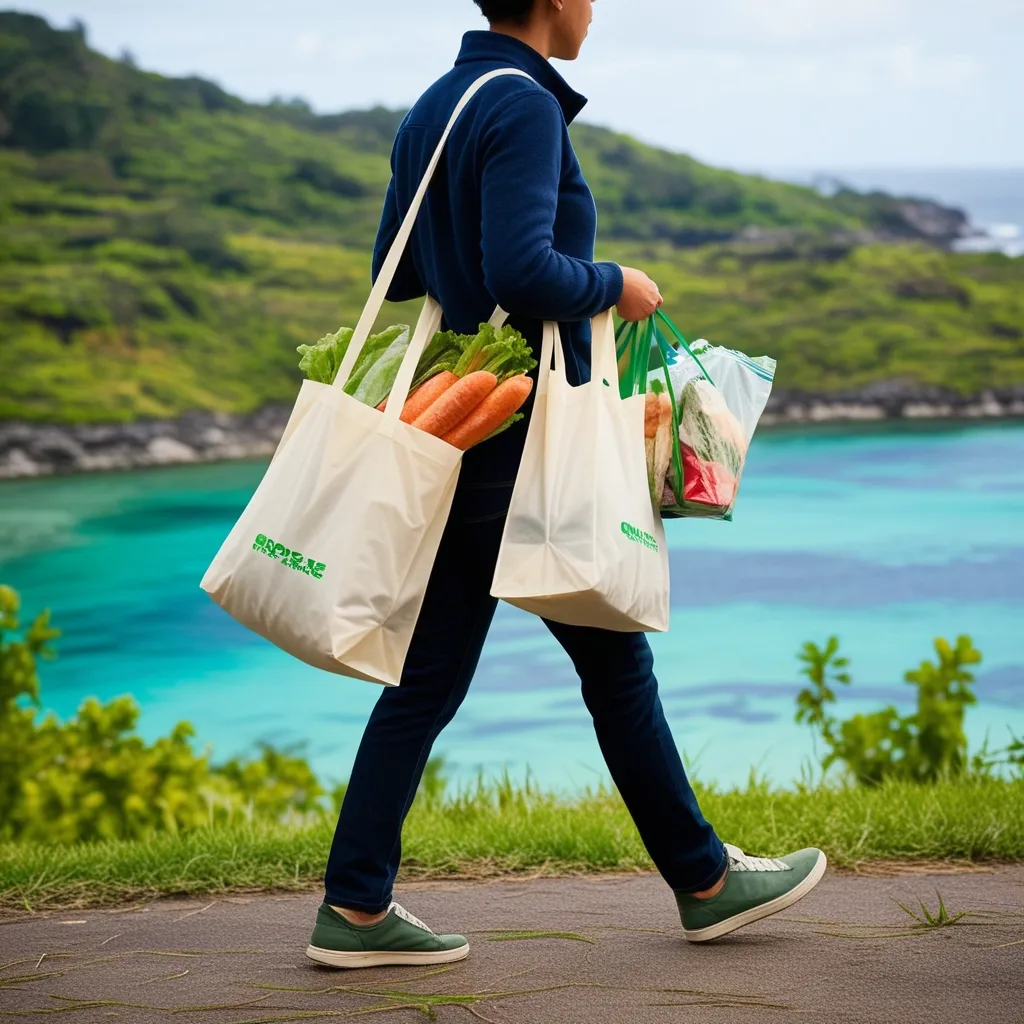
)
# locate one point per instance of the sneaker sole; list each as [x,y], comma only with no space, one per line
[385,958]
[731,924]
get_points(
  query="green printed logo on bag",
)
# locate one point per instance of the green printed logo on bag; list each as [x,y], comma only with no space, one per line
[292,559]
[638,536]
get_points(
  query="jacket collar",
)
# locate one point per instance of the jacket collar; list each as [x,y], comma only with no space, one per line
[498,48]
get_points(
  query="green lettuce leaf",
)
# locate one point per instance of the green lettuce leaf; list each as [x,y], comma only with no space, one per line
[375,348]
[503,352]
[320,362]
[376,384]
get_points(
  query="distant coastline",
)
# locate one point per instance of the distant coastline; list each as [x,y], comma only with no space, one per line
[34,449]
[992,198]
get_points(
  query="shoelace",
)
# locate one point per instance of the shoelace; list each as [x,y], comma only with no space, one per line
[740,861]
[404,914]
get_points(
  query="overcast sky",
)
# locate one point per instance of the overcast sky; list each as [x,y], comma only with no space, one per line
[752,84]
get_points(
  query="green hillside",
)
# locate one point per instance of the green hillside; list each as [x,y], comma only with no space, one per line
[165,246]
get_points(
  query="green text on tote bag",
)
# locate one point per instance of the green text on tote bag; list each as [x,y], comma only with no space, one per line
[637,535]
[292,559]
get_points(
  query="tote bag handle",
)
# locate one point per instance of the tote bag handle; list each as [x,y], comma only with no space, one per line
[375,302]
[602,346]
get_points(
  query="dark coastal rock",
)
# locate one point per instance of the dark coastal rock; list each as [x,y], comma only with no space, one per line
[37,450]
[893,400]
[932,221]
[14,434]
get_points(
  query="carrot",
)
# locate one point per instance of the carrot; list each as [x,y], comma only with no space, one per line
[456,403]
[420,398]
[650,431]
[651,415]
[663,442]
[504,401]
[426,394]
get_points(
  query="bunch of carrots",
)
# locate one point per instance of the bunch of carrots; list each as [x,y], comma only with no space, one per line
[470,387]
[467,387]
[465,410]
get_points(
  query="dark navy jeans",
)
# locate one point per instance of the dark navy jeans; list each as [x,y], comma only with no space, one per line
[619,690]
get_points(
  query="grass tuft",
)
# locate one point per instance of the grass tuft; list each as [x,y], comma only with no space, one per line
[941,918]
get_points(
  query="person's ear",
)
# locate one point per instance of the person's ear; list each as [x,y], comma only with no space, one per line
[558,4]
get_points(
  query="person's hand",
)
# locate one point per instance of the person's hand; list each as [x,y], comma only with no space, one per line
[640,295]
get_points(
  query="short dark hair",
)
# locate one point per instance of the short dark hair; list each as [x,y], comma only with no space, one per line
[505,10]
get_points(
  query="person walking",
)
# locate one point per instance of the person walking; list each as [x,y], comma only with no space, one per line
[509,220]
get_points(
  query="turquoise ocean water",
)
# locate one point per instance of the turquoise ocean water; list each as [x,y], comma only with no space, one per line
[886,538]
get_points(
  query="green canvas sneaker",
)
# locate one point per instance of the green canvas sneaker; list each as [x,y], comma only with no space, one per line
[398,939]
[755,887]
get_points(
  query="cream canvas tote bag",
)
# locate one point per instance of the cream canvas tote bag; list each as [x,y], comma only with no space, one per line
[582,543]
[330,559]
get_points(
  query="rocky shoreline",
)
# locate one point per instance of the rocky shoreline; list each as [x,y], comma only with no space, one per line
[892,400]
[33,450]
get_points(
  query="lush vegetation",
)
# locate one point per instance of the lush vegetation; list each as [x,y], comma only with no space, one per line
[165,246]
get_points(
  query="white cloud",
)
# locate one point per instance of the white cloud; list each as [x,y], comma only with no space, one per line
[806,20]
[874,71]
[905,63]
[307,44]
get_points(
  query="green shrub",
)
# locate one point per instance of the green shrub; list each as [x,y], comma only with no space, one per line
[19,679]
[928,745]
[92,777]
[278,784]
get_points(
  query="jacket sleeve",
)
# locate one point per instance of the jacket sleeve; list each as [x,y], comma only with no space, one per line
[521,167]
[407,284]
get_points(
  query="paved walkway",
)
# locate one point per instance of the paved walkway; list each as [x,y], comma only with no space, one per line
[847,953]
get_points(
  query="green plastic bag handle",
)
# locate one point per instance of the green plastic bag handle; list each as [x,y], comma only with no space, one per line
[639,361]
[682,341]
[625,338]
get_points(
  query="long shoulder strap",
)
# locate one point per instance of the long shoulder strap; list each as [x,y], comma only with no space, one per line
[387,272]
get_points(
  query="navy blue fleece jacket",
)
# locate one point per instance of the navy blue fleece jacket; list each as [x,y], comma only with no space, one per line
[509,218]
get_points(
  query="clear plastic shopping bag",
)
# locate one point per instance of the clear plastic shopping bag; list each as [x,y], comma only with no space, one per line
[703,406]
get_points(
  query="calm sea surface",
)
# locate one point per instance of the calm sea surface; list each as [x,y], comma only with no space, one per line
[885,538]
